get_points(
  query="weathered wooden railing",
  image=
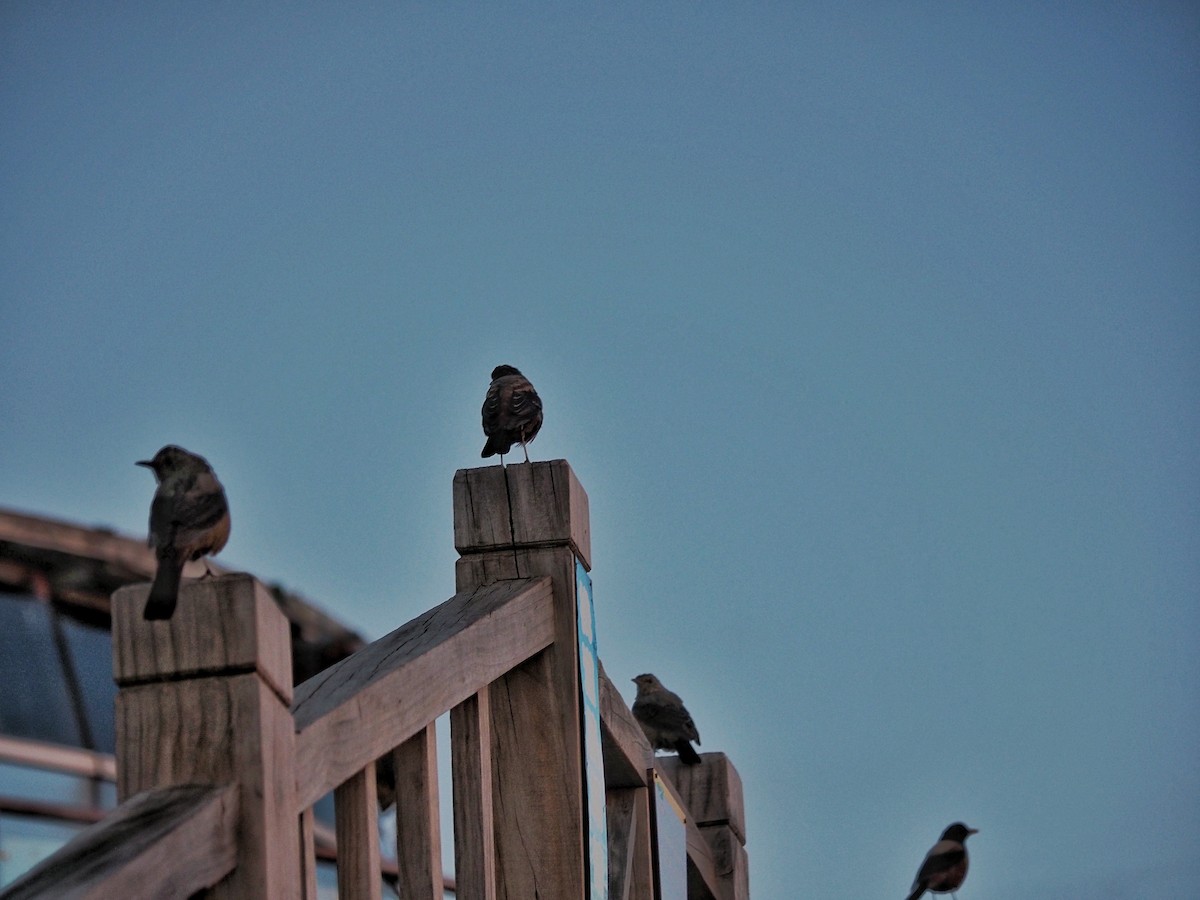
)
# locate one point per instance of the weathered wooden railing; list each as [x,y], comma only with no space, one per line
[219,763]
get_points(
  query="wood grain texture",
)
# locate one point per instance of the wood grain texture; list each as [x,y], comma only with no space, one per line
[418,817]
[730,860]
[537,754]
[371,702]
[548,508]
[711,791]
[356,814]
[627,752]
[220,731]
[474,823]
[226,624]
[166,844]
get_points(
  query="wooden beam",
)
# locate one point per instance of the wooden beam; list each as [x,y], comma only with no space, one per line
[369,703]
[627,752]
[168,843]
[418,817]
[357,821]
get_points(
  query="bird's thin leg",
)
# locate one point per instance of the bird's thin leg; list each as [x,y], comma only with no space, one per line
[526,449]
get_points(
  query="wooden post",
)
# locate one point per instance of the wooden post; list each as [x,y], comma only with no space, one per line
[204,699]
[474,832]
[526,520]
[712,792]
[418,819]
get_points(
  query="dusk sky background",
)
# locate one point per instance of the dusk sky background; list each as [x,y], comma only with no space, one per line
[872,334]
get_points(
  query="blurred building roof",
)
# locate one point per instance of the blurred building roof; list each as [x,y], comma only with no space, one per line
[77,568]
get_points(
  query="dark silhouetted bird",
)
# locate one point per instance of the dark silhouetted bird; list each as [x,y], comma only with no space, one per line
[945,865]
[189,518]
[512,413]
[664,718]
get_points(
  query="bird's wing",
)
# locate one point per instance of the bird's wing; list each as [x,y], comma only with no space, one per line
[491,408]
[942,856]
[666,711]
[523,405]
[162,517]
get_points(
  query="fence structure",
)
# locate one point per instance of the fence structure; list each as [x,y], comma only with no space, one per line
[220,758]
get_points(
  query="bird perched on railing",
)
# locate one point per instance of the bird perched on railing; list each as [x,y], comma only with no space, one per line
[665,720]
[945,865]
[512,413]
[189,518]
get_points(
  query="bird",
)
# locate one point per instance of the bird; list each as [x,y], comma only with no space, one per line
[945,866]
[512,413]
[667,723]
[189,518]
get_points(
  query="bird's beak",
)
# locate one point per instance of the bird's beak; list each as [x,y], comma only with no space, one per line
[972,831]
[144,462]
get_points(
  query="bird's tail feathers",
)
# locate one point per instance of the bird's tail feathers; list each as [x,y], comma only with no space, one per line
[687,754]
[917,892]
[164,593]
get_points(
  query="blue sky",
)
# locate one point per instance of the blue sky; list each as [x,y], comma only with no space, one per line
[871,333]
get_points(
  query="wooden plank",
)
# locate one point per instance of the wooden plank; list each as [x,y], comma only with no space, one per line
[418,817]
[627,752]
[548,508]
[711,791]
[630,876]
[168,843]
[366,705]
[308,855]
[537,752]
[226,624]
[471,770]
[220,731]
[357,822]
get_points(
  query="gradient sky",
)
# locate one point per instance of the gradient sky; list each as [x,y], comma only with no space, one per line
[872,335]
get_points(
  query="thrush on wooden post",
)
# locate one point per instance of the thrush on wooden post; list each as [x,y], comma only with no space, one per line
[189,518]
[665,720]
[512,413]
[945,865]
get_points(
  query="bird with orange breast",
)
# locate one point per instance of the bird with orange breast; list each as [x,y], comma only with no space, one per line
[189,518]
[945,866]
